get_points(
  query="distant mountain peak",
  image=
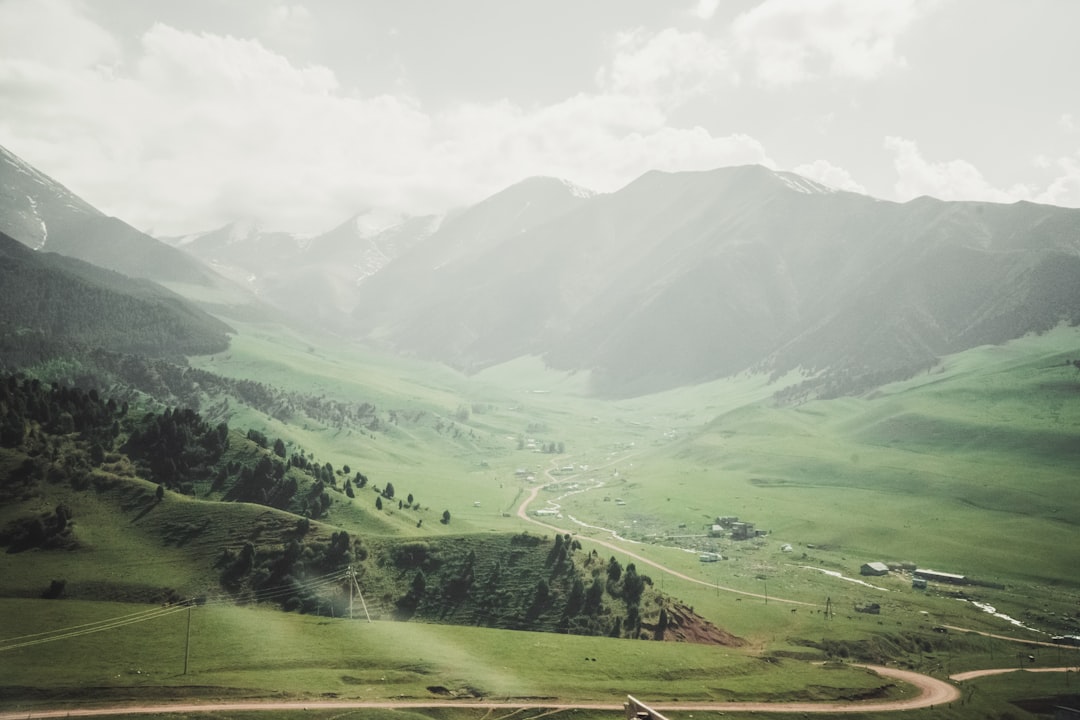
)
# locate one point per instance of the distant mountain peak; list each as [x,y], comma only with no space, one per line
[370,223]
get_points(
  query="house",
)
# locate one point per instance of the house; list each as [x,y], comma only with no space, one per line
[546,512]
[742,531]
[709,557]
[874,568]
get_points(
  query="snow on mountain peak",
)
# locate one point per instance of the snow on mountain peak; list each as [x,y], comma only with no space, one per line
[798,183]
[578,191]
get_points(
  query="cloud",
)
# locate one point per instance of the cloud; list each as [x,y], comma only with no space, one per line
[950,180]
[1064,190]
[70,41]
[790,41]
[669,64]
[196,129]
[1067,123]
[705,9]
[828,174]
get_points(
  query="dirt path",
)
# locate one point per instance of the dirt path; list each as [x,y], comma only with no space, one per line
[973,674]
[932,692]
[523,513]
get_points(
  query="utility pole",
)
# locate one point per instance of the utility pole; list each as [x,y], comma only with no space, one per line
[187,642]
[354,583]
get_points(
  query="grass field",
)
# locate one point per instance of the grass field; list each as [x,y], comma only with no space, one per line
[969,468]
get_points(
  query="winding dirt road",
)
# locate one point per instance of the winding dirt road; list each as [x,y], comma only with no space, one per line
[523,513]
[932,692]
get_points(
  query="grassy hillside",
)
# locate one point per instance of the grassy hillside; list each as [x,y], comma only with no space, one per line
[967,469]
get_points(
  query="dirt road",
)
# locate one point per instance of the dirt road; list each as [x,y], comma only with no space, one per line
[973,674]
[932,692]
[522,512]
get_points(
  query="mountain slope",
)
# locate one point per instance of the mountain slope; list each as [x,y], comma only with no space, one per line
[45,297]
[680,278]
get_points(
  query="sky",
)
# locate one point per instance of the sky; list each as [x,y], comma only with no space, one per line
[179,117]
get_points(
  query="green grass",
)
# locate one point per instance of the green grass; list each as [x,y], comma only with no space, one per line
[266,652]
[970,468]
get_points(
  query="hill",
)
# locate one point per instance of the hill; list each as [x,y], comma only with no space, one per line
[50,304]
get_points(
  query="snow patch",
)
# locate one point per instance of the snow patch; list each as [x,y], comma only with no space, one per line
[578,191]
[804,185]
[44,228]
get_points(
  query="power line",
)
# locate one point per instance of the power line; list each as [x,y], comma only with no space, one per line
[13,643]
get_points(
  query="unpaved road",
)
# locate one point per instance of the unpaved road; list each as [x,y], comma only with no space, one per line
[522,512]
[932,692]
[973,674]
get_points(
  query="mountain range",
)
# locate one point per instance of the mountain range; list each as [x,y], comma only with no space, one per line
[675,279]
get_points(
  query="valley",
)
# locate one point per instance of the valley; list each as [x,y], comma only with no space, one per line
[417,475]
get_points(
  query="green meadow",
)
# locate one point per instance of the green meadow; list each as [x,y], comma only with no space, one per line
[969,468]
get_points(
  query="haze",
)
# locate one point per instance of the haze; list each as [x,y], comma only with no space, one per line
[180,117]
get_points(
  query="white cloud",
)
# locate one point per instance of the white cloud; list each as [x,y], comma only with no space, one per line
[1064,190]
[828,174]
[950,180]
[790,41]
[70,41]
[668,64]
[289,25]
[705,9]
[1067,123]
[199,129]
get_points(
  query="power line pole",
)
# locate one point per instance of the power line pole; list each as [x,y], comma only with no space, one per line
[187,642]
[354,583]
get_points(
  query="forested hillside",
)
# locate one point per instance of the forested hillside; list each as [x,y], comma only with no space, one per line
[48,302]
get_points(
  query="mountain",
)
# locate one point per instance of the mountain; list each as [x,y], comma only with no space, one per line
[399,304]
[48,299]
[313,279]
[44,215]
[680,278]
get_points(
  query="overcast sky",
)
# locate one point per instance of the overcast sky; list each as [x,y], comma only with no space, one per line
[181,116]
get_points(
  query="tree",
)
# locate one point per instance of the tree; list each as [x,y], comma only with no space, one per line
[388,491]
[349,490]
[445,517]
[279,448]
[378,503]
[160,493]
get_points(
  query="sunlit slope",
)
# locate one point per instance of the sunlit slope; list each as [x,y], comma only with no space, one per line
[969,468]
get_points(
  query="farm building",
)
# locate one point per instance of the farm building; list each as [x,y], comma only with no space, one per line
[944,577]
[546,512]
[874,568]
[742,531]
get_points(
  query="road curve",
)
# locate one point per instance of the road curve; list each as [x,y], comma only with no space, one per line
[523,513]
[932,692]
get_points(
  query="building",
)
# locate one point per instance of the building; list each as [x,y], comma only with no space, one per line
[938,576]
[874,568]
[742,531]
